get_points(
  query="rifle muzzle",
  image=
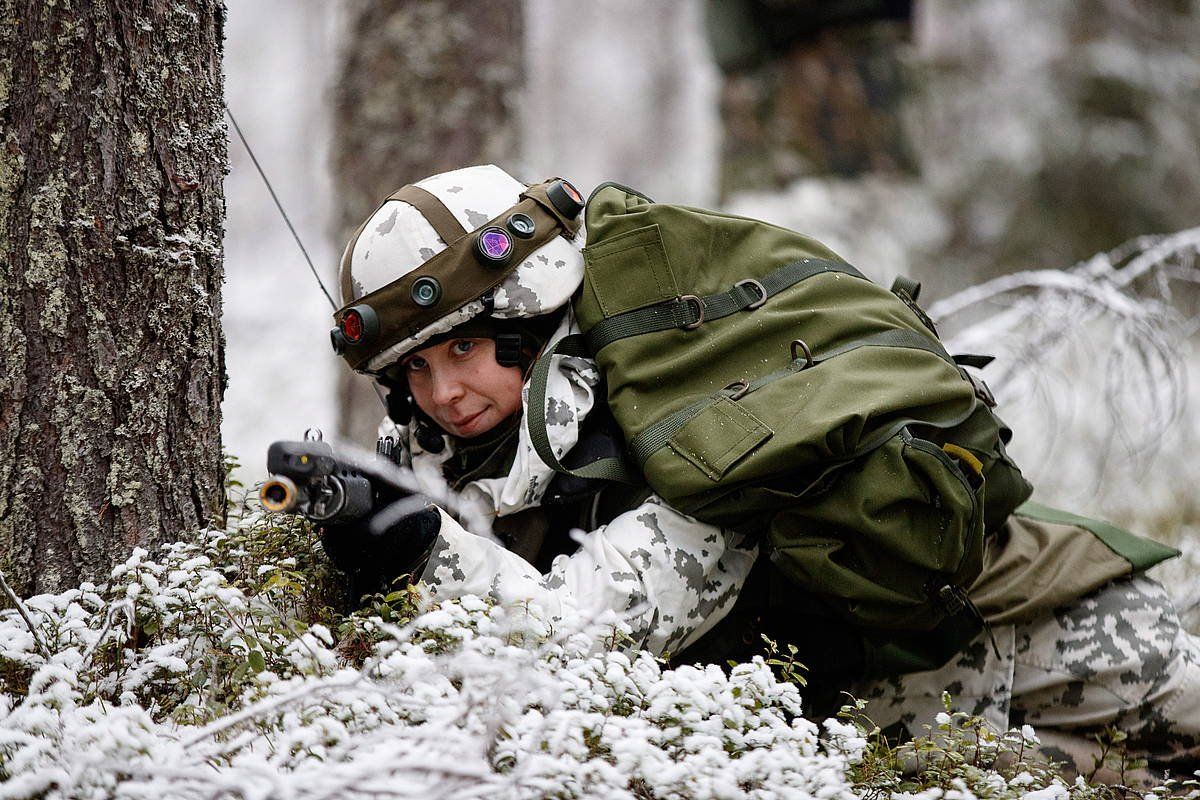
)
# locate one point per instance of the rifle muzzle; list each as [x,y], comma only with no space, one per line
[279,494]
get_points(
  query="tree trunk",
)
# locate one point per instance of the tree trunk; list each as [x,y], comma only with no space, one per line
[112,154]
[426,86]
[810,89]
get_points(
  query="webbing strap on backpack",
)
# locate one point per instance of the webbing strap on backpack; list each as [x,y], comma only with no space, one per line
[904,285]
[691,311]
[610,468]
[908,291]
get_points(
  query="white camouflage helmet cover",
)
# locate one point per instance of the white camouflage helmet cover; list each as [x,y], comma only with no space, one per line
[397,239]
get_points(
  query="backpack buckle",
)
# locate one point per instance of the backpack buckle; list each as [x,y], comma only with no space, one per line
[982,390]
[762,293]
[952,599]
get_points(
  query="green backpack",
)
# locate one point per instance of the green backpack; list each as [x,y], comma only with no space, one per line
[765,385]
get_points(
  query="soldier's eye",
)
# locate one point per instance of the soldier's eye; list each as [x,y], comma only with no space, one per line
[462,346]
[415,364]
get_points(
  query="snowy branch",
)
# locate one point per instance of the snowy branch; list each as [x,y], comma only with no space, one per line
[1116,307]
[16,601]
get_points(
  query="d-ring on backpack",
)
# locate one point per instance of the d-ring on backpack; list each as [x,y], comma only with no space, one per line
[763,384]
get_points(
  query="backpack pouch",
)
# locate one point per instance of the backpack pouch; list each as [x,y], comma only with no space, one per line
[718,437]
[628,271]
[886,536]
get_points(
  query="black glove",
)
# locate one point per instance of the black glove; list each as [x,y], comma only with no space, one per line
[374,560]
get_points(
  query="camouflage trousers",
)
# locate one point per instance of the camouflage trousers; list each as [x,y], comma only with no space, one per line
[1114,658]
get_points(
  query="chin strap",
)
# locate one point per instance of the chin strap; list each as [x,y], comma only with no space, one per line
[609,468]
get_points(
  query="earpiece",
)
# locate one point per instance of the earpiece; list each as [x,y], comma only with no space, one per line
[429,437]
[399,406]
[508,349]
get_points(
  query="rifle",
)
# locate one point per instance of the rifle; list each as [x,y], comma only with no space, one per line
[310,479]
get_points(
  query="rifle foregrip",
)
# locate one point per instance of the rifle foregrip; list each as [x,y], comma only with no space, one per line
[359,498]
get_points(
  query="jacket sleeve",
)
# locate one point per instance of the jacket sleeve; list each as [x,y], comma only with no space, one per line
[672,577]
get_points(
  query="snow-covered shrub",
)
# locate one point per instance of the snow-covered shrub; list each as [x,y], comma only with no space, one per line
[179,634]
[961,757]
[219,668]
[142,686]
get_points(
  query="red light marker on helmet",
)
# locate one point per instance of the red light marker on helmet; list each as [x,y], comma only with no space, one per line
[358,325]
[352,327]
[566,198]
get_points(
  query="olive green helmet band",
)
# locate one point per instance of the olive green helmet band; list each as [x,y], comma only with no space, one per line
[460,274]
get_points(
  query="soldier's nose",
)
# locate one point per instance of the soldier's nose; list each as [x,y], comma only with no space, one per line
[447,390]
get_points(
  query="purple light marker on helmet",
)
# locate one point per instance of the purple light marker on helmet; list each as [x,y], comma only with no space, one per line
[495,244]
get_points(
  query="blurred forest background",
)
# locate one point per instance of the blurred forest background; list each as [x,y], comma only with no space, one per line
[950,141]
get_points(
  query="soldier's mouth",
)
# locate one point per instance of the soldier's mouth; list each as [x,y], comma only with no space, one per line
[465,424]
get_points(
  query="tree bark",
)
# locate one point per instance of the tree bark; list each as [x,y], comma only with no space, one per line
[112,155]
[426,86]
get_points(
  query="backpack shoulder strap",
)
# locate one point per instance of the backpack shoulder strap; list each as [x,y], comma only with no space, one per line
[607,468]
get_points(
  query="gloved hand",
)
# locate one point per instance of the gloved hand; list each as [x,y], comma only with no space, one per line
[374,560]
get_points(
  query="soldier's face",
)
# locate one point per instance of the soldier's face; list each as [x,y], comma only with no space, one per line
[461,387]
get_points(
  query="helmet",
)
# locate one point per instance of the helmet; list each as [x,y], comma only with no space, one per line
[459,245]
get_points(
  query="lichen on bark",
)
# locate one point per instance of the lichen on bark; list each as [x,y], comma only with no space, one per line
[111,209]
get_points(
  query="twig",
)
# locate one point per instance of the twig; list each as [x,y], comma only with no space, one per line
[126,606]
[1174,245]
[250,712]
[16,601]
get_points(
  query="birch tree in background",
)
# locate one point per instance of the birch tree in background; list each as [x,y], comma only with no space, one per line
[112,154]
[425,86]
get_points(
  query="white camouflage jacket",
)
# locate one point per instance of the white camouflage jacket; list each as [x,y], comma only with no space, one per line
[672,576]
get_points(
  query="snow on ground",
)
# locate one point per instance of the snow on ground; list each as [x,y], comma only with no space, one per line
[198,674]
[468,700]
